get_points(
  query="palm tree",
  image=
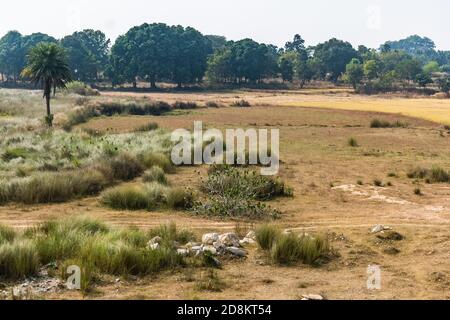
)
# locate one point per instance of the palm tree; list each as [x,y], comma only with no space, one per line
[47,66]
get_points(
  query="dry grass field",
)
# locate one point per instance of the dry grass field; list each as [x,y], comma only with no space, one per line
[339,190]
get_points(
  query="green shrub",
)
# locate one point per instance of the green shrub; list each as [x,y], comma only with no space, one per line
[266,236]
[18,260]
[377,123]
[231,182]
[234,208]
[152,159]
[155,174]
[14,153]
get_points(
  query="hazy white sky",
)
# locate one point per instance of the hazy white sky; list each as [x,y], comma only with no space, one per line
[368,22]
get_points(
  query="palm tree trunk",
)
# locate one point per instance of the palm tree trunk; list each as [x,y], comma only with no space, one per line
[49,114]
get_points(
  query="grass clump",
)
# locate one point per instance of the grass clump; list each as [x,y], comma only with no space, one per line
[81,89]
[18,260]
[418,191]
[434,175]
[123,167]
[179,198]
[155,174]
[185,105]
[241,104]
[266,236]
[378,183]
[379,123]
[7,234]
[93,246]
[152,159]
[127,198]
[352,142]
[290,248]
[151,126]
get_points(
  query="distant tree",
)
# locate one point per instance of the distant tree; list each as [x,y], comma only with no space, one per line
[88,54]
[431,67]
[305,71]
[287,64]
[408,69]
[11,55]
[220,66]
[372,69]
[334,55]
[354,72]
[444,84]
[13,51]
[423,78]
[217,42]
[47,66]
[297,45]
[190,54]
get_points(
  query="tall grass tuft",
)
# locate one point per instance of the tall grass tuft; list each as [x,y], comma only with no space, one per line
[7,234]
[266,236]
[155,174]
[152,159]
[18,259]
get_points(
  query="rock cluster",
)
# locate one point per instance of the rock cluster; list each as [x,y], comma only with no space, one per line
[214,244]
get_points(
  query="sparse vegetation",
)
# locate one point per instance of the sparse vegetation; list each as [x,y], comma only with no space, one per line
[434,175]
[241,104]
[379,123]
[155,174]
[289,248]
[352,143]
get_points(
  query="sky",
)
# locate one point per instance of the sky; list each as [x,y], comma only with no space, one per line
[367,22]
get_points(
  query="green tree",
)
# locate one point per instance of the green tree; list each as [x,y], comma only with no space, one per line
[334,55]
[423,78]
[304,71]
[408,69]
[287,64]
[431,67]
[354,72]
[47,66]
[88,54]
[372,69]
[217,42]
[444,84]
[11,55]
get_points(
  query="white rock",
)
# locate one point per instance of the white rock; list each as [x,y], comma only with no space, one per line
[312,297]
[197,248]
[379,228]
[210,249]
[251,235]
[157,240]
[237,252]
[153,246]
[230,239]
[246,241]
[193,244]
[210,238]
[183,252]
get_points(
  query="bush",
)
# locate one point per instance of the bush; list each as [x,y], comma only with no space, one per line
[266,236]
[231,182]
[235,208]
[152,159]
[14,153]
[18,260]
[378,183]
[210,281]
[212,104]
[155,174]
[241,104]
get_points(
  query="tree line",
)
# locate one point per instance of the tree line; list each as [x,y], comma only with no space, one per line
[157,52]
